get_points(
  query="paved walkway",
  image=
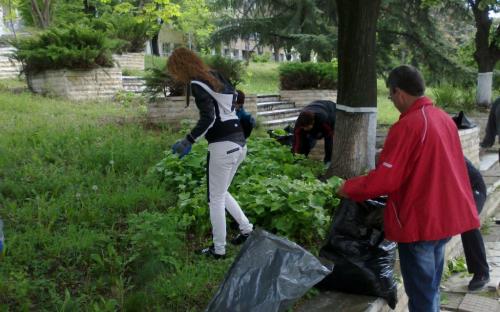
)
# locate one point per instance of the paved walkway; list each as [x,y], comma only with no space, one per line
[455,296]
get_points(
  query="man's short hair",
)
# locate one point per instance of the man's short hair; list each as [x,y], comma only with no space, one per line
[408,79]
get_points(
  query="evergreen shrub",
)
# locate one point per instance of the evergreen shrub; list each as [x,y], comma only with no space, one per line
[74,47]
[301,76]
[135,33]
[454,99]
[233,70]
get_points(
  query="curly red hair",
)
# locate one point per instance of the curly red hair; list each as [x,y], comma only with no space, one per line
[184,65]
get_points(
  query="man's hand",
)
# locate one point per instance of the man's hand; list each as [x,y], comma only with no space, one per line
[181,147]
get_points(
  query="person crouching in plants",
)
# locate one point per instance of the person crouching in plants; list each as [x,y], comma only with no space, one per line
[316,121]
[214,98]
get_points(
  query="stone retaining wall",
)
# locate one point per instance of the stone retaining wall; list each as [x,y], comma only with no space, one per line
[101,83]
[470,144]
[304,97]
[173,110]
[133,61]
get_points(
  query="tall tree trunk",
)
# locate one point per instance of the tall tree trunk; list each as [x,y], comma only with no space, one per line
[155,49]
[355,129]
[276,49]
[305,55]
[41,16]
[486,54]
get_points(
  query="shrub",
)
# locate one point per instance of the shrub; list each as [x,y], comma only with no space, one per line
[153,61]
[126,27]
[262,58]
[453,99]
[299,76]
[158,81]
[233,70]
[75,47]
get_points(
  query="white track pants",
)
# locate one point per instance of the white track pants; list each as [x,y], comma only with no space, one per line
[223,161]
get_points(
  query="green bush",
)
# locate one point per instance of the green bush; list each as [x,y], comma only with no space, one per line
[263,58]
[75,47]
[233,70]
[153,61]
[453,99]
[133,32]
[158,81]
[300,76]
[278,191]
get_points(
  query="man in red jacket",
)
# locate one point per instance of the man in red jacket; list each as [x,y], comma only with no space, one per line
[422,171]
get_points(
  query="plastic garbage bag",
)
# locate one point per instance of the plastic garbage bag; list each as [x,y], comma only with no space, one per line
[268,275]
[463,122]
[363,260]
[283,136]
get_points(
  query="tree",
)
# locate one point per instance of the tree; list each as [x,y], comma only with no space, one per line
[354,144]
[302,24]
[195,20]
[487,44]
[426,36]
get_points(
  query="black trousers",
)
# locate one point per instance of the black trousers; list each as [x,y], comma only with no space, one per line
[472,241]
[493,125]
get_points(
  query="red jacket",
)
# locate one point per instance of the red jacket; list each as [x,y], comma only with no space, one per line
[422,170]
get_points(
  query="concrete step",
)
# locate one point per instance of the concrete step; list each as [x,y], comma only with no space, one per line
[274,105]
[133,84]
[488,160]
[278,114]
[279,123]
[268,98]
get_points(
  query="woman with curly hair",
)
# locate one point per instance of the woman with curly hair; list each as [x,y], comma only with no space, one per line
[214,98]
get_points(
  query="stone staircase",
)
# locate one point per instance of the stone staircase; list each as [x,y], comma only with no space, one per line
[273,113]
[133,84]
[8,68]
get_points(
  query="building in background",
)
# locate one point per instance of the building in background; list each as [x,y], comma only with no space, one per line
[169,39]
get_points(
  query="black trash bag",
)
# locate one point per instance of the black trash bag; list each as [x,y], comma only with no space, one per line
[284,139]
[363,260]
[268,274]
[463,122]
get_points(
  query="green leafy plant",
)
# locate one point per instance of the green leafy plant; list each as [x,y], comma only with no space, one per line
[299,76]
[278,191]
[454,266]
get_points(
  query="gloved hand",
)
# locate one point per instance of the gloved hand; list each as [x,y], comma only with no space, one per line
[182,147]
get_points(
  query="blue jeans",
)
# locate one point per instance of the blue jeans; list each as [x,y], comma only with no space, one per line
[422,266]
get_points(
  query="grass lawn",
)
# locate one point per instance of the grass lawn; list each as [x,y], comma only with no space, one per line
[261,78]
[83,216]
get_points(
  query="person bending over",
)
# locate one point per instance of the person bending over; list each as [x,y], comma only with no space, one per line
[316,121]
[218,123]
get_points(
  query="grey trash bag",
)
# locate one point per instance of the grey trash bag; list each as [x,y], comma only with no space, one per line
[268,274]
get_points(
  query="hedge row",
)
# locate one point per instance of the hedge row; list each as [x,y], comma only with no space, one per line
[300,76]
